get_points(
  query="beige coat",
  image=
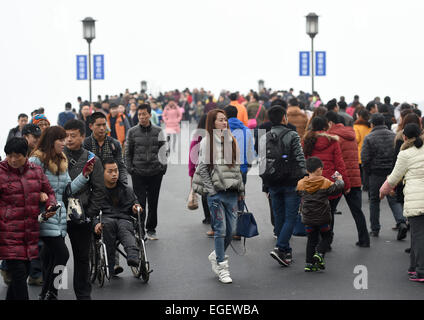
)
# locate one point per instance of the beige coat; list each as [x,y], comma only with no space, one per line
[222,177]
[410,167]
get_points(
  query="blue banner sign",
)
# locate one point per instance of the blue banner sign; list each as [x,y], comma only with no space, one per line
[81,67]
[304,63]
[99,66]
[320,63]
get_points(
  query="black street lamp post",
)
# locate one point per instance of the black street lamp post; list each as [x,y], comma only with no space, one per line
[89,33]
[312,31]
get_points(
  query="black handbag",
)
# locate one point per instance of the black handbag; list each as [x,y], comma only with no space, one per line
[246,224]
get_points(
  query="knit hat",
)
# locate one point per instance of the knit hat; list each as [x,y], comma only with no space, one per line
[38,117]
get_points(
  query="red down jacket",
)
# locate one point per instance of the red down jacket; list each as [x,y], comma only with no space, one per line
[349,147]
[327,148]
[19,209]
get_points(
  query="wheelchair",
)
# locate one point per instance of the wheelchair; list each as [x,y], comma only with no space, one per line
[99,265]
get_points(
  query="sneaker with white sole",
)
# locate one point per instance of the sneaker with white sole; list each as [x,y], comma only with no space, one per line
[224,272]
[214,263]
[151,235]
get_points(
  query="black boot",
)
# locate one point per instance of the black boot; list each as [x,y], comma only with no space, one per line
[403,229]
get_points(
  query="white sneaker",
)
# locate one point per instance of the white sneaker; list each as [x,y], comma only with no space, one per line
[224,272]
[214,263]
[212,259]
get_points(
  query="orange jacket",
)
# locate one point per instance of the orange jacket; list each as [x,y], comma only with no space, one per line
[241,112]
[119,127]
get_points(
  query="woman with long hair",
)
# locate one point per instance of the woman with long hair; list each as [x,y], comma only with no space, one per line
[320,111]
[318,143]
[218,177]
[49,155]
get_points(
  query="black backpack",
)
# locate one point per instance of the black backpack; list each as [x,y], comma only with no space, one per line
[276,166]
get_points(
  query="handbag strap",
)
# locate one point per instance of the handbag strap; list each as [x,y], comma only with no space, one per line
[259,110]
[244,248]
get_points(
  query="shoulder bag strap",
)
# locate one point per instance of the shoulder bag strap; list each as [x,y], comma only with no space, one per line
[259,110]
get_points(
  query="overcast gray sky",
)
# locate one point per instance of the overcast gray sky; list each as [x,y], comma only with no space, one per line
[374,48]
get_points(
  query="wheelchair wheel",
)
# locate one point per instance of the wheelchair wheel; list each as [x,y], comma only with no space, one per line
[101,268]
[93,261]
[101,276]
[143,269]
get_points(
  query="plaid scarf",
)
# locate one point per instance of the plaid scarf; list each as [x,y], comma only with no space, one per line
[104,153]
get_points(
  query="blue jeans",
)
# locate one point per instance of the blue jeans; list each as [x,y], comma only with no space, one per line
[285,205]
[223,208]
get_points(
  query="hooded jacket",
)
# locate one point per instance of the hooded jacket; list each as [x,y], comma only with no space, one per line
[245,142]
[315,191]
[327,148]
[349,147]
[19,209]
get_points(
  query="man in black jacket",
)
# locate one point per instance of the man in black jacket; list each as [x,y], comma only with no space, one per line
[117,207]
[91,199]
[377,160]
[146,153]
[17,131]
[285,200]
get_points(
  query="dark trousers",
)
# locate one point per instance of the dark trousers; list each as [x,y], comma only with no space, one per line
[80,236]
[376,182]
[148,188]
[315,242]
[354,201]
[333,208]
[417,245]
[364,178]
[240,203]
[19,271]
[35,264]
[54,253]
[122,230]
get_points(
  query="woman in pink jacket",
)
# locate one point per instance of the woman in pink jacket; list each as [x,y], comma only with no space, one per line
[172,117]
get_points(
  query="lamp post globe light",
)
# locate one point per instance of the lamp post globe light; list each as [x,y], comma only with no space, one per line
[89,33]
[143,86]
[312,31]
[261,85]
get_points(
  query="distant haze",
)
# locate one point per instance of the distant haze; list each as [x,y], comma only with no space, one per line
[374,48]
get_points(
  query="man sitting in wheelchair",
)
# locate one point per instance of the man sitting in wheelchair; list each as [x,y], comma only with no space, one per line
[119,206]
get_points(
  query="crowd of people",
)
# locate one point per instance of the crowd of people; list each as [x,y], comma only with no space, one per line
[315,153]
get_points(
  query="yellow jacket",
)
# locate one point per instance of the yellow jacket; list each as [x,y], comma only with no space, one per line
[361,131]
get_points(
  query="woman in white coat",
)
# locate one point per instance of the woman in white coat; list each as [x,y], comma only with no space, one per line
[410,167]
